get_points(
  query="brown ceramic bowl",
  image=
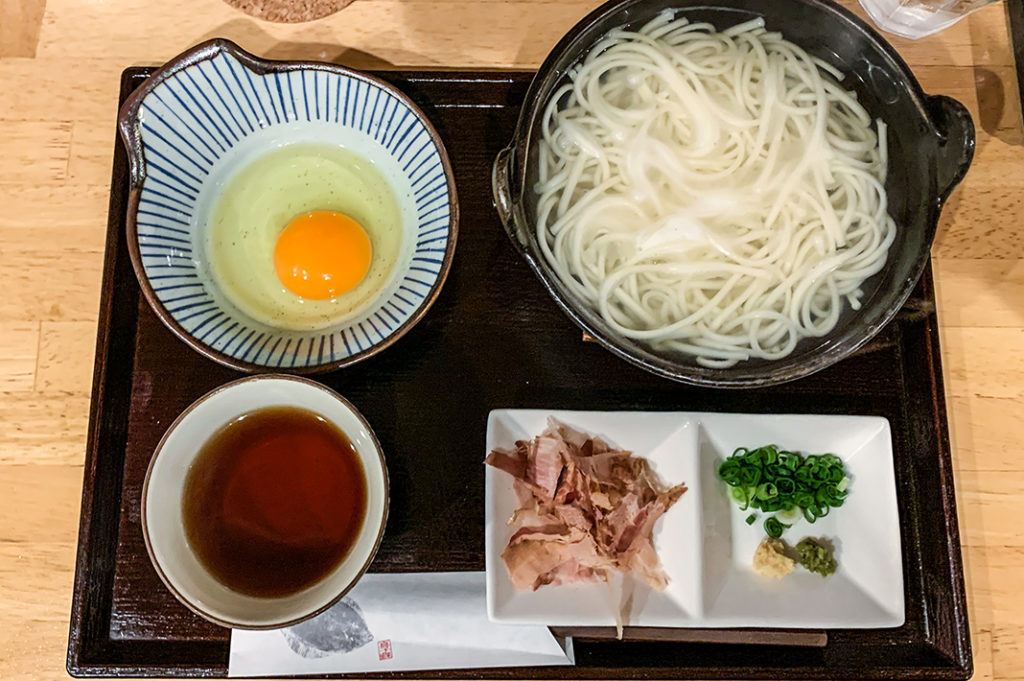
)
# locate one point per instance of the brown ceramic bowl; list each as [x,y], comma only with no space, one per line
[208,113]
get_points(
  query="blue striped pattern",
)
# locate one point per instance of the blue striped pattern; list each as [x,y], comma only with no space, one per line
[198,114]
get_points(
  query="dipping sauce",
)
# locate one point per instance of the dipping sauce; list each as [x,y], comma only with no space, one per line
[274,501]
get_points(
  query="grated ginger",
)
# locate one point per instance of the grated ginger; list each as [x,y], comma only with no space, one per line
[770,561]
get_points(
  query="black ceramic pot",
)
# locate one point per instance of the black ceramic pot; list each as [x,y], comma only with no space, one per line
[931,143]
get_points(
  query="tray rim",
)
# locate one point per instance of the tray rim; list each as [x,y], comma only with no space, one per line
[1015,16]
[94,653]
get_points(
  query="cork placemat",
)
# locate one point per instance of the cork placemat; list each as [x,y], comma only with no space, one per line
[289,11]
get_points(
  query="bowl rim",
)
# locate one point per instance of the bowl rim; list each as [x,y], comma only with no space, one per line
[159,448]
[514,159]
[127,123]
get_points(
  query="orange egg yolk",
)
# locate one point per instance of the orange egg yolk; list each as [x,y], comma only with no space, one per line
[322,254]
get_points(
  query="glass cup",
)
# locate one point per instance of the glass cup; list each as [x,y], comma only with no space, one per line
[918,18]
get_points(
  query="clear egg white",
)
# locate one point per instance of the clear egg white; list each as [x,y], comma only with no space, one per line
[259,202]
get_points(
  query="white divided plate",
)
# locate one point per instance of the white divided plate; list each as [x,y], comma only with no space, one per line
[704,542]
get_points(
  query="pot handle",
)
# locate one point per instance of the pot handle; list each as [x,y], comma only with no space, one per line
[955,144]
[503,201]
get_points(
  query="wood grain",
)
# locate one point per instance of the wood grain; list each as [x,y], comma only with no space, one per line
[23,486]
[59,68]
[28,600]
[90,151]
[982,642]
[449,33]
[978,427]
[994,584]
[33,87]
[989,500]
[1010,640]
[19,347]
[65,357]
[45,428]
[984,362]
[37,151]
[983,292]
[37,659]
[52,283]
[20,21]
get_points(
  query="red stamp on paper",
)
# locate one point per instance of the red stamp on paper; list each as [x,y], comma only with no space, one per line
[384,649]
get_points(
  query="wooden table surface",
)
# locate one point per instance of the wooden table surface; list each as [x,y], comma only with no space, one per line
[60,62]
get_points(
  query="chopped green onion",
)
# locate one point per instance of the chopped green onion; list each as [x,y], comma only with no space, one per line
[792,513]
[740,496]
[751,518]
[772,480]
[774,528]
[750,476]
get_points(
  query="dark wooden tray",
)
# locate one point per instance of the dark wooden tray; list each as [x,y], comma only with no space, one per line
[1015,12]
[495,339]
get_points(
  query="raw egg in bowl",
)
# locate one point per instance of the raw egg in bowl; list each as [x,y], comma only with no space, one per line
[294,215]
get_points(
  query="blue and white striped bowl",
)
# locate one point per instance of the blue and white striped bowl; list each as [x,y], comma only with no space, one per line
[209,112]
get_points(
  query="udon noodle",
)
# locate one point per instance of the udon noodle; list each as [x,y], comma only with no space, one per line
[717,194]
